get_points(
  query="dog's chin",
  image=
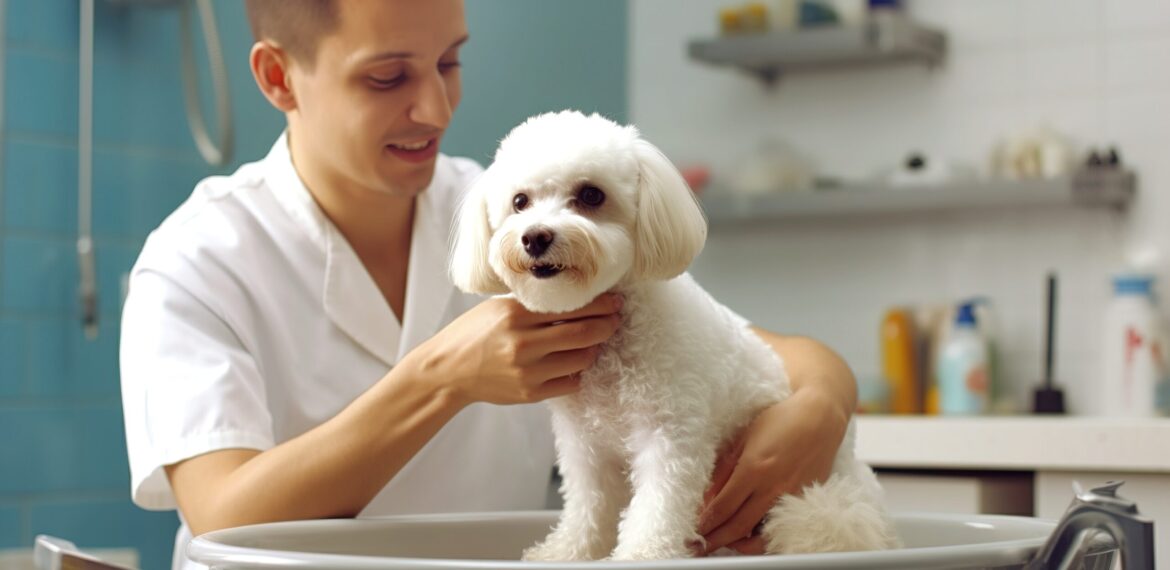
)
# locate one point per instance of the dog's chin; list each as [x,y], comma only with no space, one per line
[551,289]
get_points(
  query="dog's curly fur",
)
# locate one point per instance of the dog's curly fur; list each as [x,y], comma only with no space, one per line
[637,444]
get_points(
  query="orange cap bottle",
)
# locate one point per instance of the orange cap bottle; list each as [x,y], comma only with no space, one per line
[900,361]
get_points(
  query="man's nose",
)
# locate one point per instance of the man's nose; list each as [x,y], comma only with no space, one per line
[536,241]
[432,106]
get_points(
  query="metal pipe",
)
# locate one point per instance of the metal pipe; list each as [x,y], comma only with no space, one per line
[85,248]
[216,155]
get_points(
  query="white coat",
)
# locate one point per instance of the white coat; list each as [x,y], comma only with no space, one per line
[250,320]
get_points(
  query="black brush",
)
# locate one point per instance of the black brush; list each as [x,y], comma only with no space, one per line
[1048,399]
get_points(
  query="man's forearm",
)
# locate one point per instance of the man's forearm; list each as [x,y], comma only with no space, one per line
[811,364]
[333,470]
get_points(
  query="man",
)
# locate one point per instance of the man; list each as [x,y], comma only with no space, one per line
[292,348]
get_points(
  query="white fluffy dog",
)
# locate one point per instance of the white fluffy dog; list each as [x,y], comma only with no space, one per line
[575,206]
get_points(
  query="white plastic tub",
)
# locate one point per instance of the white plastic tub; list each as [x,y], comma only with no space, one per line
[495,540]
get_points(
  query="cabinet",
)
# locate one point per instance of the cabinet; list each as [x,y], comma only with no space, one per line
[1018,465]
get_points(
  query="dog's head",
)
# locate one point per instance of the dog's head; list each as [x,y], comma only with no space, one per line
[572,206]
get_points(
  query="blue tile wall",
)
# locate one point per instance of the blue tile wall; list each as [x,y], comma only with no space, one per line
[40,181]
[99,523]
[41,98]
[531,56]
[114,260]
[38,275]
[41,24]
[63,446]
[11,527]
[13,356]
[69,366]
[133,193]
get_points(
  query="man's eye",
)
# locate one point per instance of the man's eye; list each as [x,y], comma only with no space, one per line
[385,82]
[449,65]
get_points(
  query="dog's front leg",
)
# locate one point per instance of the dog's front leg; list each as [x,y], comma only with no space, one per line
[670,472]
[594,488]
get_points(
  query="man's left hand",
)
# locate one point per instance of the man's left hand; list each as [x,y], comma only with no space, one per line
[788,446]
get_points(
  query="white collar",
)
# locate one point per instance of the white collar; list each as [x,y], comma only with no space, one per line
[351,299]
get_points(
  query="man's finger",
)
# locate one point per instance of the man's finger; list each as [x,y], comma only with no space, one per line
[751,545]
[719,478]
[557,387]
[729,500]
[724,466]
[604,304]
[571,335]
[560,364]
[740,525]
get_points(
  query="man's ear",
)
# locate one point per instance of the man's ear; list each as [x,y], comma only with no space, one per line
[270,69]
[470,270]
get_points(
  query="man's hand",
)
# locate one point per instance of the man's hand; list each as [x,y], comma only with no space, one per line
[786,448]
[499,352]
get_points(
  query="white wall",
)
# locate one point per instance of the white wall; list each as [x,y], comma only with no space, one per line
[1098,70]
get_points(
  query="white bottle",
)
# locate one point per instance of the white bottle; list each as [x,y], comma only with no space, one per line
[1134,354]
[963,375]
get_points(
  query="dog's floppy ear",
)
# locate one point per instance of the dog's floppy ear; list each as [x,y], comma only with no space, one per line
[470,270]
[671,227]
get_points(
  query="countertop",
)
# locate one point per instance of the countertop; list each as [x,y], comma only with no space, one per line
[1030,443]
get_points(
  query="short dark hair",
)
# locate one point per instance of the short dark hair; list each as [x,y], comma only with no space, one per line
[297,26]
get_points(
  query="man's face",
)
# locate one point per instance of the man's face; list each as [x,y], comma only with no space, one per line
[381,93]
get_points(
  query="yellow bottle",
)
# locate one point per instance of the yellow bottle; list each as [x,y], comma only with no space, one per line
[900,362]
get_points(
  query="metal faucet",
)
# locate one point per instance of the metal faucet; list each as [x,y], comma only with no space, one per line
[1091,512]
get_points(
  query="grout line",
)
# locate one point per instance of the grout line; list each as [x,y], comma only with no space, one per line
[35,315]
[26,536]
[25,500]
[99,240]
[87,402]
[3,126]
[28,386]
[65,56]
[132,150]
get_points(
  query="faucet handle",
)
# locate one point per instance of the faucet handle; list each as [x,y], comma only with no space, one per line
[1108,489]
[1105,496]
[1098,510]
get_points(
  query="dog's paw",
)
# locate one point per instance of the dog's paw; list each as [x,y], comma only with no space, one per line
[557,551]
[658,550]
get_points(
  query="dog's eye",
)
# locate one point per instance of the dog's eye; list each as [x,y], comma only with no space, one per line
[519,202]
[591,196]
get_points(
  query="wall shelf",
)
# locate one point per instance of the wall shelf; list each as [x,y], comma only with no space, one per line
[884,38]
[1102,189]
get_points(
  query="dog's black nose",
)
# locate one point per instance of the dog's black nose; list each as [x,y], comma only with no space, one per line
[537,240]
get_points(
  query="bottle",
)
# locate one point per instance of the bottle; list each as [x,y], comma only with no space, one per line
[999,394]
[1134,356]
[900,362]
[933,322]
[963,374]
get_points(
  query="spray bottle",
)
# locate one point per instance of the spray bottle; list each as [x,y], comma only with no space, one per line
[1135,363]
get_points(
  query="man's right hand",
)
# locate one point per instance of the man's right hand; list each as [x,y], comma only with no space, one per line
[502,353]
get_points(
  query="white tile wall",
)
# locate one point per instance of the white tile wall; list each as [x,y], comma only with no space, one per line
[1098,70]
